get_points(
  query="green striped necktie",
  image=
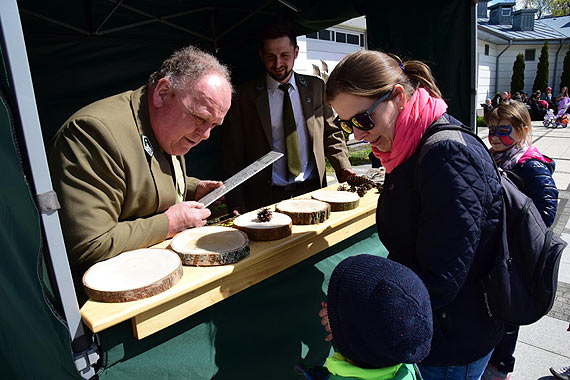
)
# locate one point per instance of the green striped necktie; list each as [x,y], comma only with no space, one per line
[293,155]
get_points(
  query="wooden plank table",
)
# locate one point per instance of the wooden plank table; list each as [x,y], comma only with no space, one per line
[201,287]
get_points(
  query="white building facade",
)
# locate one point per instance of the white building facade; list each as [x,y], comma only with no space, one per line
[503,33]
[320,52]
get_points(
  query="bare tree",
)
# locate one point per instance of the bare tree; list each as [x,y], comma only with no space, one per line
[548,7]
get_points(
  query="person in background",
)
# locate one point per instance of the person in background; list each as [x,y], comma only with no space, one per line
[563,94]
[496,99]
[439,211]
[509,135]
[547,95]
[538,107]
[284,111]
[517,96]
[378,314]
[561,97]
[117,164]
[487,106]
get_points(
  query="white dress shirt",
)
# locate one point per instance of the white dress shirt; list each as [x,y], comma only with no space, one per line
[281,176]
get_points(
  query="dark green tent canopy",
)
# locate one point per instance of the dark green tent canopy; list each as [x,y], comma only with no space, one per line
[82,50]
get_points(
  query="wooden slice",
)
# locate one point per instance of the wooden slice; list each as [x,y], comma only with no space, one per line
[277,228]
[305,211]
[339,200]
[211,245]
[133,275]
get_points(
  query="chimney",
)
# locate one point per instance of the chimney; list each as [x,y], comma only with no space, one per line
[482,9]
[501,13]
[523,19]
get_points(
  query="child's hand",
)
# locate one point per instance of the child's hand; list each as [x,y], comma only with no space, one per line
[323,313]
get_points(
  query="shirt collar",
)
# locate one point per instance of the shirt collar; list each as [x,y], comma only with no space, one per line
[272,84]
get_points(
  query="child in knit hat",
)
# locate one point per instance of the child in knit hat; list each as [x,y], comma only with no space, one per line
[380,318]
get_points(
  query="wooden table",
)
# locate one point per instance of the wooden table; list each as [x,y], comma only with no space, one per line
[201,287]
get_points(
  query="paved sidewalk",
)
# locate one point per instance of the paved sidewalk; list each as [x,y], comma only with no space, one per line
[545,343]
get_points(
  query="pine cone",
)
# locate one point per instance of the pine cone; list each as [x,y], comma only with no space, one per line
[343,187]
[361,191]
[264,215]
[356,180]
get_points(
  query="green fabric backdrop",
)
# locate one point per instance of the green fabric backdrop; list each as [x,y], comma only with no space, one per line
[33,343]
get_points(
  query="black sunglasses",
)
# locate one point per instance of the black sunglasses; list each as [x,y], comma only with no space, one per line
[361,120]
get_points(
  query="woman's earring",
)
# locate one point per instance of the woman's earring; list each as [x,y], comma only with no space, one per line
[401,108]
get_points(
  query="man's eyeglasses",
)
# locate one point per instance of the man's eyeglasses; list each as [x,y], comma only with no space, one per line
[361,120]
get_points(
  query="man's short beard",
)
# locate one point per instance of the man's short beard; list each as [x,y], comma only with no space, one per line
[279,79]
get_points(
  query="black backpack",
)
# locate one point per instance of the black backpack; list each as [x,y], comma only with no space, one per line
[521,285]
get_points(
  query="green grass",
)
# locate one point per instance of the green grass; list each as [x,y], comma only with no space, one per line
[357,156]
[480,122]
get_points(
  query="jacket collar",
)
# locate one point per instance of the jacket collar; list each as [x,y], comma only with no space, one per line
[158,160]
[337,365]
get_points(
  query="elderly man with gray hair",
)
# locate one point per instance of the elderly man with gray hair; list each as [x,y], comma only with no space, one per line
[117,164]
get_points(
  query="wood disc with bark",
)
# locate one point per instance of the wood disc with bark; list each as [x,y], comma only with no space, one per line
[133,275]
[277,228]
[339,200]
[211,245]
[305,211]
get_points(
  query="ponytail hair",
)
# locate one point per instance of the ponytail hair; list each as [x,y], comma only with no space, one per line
[372,73]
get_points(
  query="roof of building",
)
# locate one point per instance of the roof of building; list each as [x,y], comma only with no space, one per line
[560,24]
[555,28]
[503,4]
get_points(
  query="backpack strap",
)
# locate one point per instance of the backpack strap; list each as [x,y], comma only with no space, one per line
[443,124]
[516,179]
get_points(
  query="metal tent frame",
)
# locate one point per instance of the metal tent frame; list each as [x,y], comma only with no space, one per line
[83,346]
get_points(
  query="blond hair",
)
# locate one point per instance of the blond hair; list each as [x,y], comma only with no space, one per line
[372,73]
[516,113]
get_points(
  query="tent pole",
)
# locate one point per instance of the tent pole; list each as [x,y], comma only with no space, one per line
[111,12]
[85,352]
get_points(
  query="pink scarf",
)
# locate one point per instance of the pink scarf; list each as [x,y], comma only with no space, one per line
[418,114]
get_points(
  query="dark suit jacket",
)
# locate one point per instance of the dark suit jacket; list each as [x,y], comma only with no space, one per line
[247,136]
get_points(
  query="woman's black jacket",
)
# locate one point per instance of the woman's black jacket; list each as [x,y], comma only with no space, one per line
[439,216]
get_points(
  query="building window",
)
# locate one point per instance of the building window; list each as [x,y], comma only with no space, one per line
[486,49]
[353,39]
[506,12]
[342,37]
[527,21]
[325,35]
[529,54]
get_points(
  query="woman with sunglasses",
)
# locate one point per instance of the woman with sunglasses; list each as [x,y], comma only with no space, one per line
[439,211]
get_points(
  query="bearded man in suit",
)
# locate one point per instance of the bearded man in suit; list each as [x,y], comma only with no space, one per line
[117,164]
[287,112]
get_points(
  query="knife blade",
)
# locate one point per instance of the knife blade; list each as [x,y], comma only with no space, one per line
[240,177]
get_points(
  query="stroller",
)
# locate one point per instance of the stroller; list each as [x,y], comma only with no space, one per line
[561,118]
